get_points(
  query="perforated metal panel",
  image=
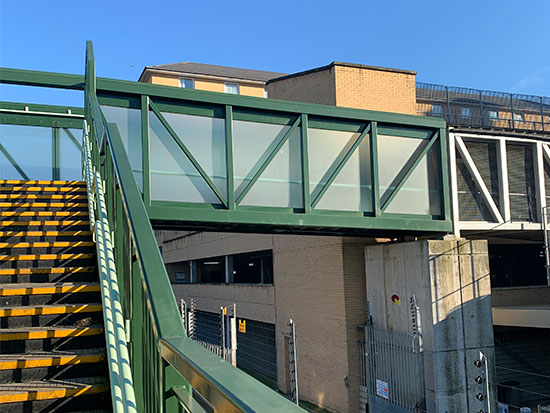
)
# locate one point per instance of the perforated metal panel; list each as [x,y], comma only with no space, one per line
[521,182]
[256,352]
[471,204]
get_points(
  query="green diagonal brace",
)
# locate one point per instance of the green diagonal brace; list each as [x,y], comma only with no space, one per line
[266,163]
[12,161]
[409,171]
[73,139]
[188,153]
[341,165]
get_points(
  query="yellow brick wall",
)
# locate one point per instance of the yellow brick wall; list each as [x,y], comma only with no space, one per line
[314,87]
[364,88]
[210,85]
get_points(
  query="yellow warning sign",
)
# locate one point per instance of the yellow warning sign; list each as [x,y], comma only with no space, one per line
[242,326]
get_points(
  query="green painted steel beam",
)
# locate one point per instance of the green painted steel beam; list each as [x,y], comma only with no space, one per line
[327,221]
[145,150]
[50,109]
[406,171]
[229,157]
[40,120]
[375,173]
[338,165]
[306,191]
[43,79]
[13,162]
[268,160]
[188,153]
[73,139]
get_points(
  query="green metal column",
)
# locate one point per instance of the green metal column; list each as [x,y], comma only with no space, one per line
[55,154]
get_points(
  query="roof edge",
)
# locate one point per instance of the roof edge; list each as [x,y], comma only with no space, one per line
[343,64]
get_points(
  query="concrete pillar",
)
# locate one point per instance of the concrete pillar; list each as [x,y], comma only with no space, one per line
[450,280]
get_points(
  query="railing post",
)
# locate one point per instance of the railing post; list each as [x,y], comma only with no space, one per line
[512,110]
[448,103]
[541,113]
[136,331]
[55,154]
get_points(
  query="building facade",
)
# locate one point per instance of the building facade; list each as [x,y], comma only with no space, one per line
[500,168]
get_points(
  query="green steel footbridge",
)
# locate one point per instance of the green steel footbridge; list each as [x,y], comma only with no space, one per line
[162,157]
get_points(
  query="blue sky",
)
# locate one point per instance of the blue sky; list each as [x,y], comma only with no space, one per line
[494,45]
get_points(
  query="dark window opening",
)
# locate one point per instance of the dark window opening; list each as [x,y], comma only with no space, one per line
[211,270]
[516,265]
[253,268]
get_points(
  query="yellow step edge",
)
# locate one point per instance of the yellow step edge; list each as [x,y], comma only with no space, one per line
[32,271]
[43,188]
[39,182]
[43,290]
[50,310]
[23,396]
[43,204]
[44,233]
[53,244]
[43,213]
[43,196]
[51,361]
[6,335]
[38,257]
[43,223]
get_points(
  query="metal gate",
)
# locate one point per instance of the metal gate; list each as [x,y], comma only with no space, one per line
[392,368]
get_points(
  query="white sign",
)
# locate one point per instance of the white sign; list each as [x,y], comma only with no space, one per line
[382,389]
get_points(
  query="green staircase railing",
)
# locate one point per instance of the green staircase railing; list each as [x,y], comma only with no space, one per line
[170,371]
[145,334]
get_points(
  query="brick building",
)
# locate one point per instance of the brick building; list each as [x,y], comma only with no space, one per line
[320,281]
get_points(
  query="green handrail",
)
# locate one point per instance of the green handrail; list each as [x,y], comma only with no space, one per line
[120,373]
[166,364]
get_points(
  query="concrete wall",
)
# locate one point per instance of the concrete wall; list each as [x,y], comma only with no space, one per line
[521,296]
[451,282]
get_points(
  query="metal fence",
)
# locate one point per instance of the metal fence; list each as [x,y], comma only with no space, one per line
[483,108]
[392,370]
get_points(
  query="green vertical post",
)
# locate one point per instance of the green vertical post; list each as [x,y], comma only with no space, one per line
[229,157]
[55,154]
[444,177]
[172,379]
[374,169]
[145,150]
[305,165]
[136,331]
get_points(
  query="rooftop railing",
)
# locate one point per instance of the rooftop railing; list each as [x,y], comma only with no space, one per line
[475,108]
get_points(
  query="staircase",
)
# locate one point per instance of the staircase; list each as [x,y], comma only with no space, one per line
[52,343]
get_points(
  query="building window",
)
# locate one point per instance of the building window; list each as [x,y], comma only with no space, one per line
[211,270]
[232,88]
[187,83]
[265,93]
[465,112]
[180,277]
[253,268]
[518,117]
[437,110]
[493,114]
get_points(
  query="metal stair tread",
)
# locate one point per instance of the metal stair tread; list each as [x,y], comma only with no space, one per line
[52,195]
[29,287]
[23,188]
[53,329]
[18,311]
[41,182]
[42,257]
[43,213]
[45,233]
[45,223]
[51,358]
[46,244]
[43,384]
[48,270]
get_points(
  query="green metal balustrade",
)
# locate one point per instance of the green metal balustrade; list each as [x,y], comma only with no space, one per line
[157,155]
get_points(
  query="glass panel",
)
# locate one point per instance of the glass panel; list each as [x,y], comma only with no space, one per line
[129,127]
[30,147]
[351,190]
[281,183]
[173,176]
[70,154]
[420,193]
[205,138]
